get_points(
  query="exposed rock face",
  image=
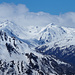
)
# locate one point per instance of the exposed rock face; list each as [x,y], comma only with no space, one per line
[66,54]
[41,66]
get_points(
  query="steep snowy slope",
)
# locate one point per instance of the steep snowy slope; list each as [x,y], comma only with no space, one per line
[54,33]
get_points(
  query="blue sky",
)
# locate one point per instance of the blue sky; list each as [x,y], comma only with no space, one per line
[54,7]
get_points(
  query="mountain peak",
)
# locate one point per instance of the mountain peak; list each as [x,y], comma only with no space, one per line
[51,33]
[6,23]
[50,25]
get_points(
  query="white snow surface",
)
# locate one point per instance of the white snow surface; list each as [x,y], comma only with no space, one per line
[51,34]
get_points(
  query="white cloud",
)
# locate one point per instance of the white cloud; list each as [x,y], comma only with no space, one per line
[21,15]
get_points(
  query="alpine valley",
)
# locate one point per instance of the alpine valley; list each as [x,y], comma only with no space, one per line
[35,50]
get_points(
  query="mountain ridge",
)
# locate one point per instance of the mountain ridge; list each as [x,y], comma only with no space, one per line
[19,55]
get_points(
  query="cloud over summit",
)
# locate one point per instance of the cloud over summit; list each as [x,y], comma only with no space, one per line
[8,10]
[21,15]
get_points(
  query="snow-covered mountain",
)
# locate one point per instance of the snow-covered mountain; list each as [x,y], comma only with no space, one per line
[58,41]
[18,48]
[53,33]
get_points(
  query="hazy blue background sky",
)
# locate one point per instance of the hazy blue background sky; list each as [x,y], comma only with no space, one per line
[54,7]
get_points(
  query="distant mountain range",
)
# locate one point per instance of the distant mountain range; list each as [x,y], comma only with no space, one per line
[35,51]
